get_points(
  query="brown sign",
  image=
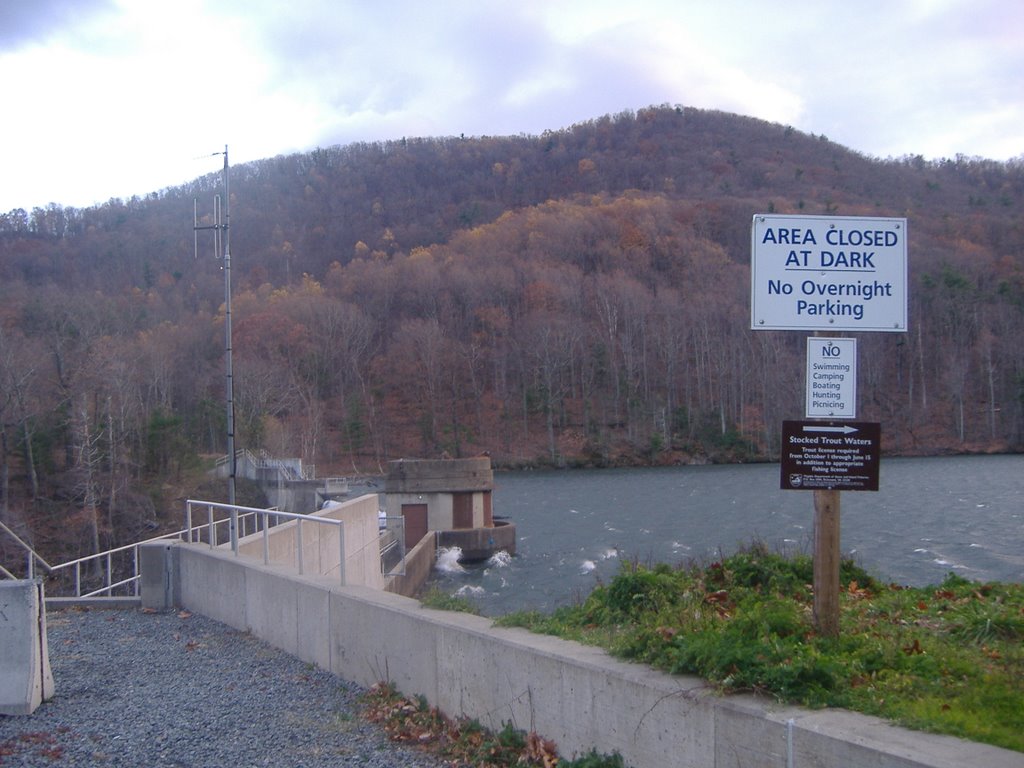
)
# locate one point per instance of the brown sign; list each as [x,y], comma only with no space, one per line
[830,455]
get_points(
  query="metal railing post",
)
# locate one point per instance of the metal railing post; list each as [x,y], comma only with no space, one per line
[135,565]
[266,539]
[298,543]
[341,551]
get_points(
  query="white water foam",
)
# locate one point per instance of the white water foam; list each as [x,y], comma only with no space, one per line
[469,590]
[500,559]
[448,560]
[587,566]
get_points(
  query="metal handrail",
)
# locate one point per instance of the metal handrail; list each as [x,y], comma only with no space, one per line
[237,515]
[33,556]
[108,556]
[74,567]
[242,519]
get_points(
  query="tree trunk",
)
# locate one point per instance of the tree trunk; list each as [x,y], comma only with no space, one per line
[4,475]
[30,461]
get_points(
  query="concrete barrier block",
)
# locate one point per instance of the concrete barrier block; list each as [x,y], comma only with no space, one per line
[379,636]
[215,585]
[853,739]
[576,695]
[313,611]
[290,612]
[749,732]
[159,583]
[25,677]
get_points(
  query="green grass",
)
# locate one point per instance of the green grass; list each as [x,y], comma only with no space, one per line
[442,601]
[946,659]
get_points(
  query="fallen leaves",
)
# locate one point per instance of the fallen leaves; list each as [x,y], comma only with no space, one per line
[914,648]
[461,742]
[667,633]
[542,751]
[857,592]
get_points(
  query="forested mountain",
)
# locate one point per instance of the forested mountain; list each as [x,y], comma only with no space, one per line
[581,297]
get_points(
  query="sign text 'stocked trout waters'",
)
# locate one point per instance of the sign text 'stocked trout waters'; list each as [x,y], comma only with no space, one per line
[931,516]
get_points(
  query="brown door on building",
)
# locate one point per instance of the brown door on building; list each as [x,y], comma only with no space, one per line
[415,523]
[488,512]
[462,510]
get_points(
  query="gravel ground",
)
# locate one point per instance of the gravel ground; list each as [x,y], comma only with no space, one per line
[166,689]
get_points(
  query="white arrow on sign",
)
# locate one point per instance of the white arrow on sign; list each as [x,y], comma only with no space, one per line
[844,429]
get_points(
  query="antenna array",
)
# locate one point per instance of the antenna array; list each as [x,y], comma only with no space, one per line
[222,244]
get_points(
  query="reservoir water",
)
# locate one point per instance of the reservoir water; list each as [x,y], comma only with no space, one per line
[930,517]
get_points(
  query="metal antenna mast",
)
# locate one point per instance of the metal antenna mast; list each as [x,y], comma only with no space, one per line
[222,236]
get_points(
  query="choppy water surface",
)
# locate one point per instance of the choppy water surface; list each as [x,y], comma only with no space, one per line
[930,517]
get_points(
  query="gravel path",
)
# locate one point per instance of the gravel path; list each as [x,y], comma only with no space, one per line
[162,689]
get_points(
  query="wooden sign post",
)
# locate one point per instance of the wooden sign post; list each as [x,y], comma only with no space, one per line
[827,274]
[826,555]
[826,562]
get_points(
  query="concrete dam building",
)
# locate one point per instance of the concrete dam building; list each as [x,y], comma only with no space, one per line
[452,499]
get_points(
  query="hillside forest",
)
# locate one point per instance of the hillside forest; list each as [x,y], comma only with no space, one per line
[578,298]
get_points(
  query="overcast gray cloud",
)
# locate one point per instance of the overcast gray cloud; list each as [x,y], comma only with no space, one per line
[23,22]
[108,98]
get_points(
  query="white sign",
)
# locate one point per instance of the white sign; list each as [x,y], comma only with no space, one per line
[831,378]
[828,273]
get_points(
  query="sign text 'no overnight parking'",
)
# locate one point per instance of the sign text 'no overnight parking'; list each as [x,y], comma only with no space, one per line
[828,273]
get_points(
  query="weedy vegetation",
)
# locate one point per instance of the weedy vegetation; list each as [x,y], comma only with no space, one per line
[464,742]
[945,659]
[442,601]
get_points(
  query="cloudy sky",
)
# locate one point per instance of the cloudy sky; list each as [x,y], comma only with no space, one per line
[110,98]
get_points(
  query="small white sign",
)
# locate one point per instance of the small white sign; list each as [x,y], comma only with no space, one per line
[828,273]
[831,378]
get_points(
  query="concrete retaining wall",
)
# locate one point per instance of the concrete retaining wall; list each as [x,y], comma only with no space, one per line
[419,562]
[25,677]
[480,543]
[576,695]
[320,548]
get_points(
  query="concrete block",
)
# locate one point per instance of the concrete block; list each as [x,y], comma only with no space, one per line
[213,583]
[851,739]
[25,677]
[290,612]
[158,575]
[379,636]
[271,608]
[576,695]
[749,732]
[440,475]
[313,611]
